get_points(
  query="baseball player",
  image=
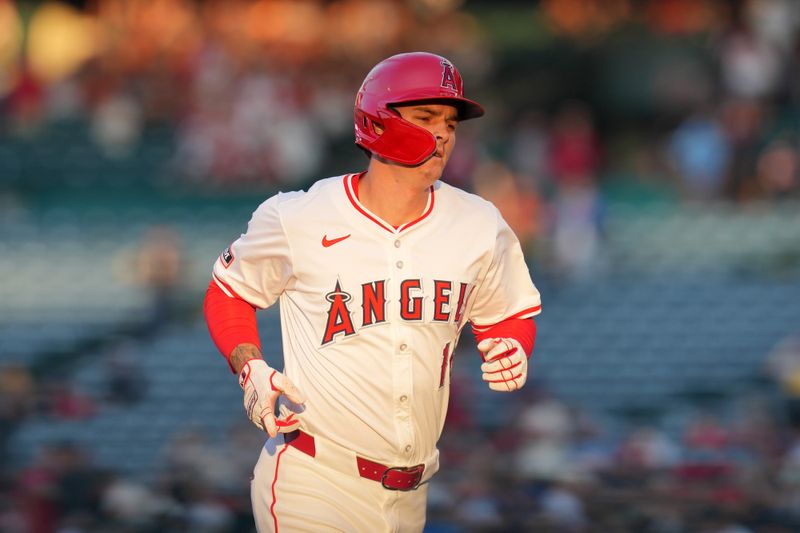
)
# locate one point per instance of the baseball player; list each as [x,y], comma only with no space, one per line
[376,273]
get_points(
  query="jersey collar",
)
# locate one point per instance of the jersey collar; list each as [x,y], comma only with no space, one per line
[351,189]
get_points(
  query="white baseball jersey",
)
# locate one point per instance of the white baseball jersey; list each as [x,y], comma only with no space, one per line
[371,314]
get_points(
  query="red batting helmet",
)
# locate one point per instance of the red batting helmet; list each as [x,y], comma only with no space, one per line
[406,78]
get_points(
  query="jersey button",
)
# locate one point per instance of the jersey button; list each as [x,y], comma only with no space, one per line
[397,243]
[403,347]
[399,264]
[408,448]
[403,398]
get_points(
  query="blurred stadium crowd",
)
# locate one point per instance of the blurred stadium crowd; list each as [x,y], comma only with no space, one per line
[645,152]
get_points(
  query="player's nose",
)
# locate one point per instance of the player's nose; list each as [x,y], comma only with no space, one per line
[442,132]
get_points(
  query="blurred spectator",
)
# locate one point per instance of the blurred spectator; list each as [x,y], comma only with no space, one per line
[17,401]
[158,267]
[574,154]
[777,168]
[562,507]
[530,144]
[706,437]
[750,66]
[12,520]
[647,448]
[742,121]
[24,105]
[60,485]
[127,502]
[701,156]
[63,401]
[81,486]
[117,125]
[126,382]
[783,366]
[774,21]
[477,507]
[193,465]
[206,513]
[573,163]
[38,494]
[520,206]
[577,212]
[546,428]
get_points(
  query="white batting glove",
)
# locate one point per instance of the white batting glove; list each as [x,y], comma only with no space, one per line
[262,385]
[505,366]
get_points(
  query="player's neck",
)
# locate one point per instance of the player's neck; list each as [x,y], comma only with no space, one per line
[396,197]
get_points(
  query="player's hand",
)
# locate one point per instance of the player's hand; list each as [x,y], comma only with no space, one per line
[505,366]
[262,385]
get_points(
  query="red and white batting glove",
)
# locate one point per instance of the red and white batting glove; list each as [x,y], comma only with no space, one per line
[505,366]
[262,385]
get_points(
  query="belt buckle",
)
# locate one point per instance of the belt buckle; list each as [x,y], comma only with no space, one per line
[413,470]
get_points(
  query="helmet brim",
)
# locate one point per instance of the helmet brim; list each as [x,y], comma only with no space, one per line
[467,108]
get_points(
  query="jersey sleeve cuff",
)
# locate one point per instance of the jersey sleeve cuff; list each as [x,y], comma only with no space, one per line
[229,291]
[529,312]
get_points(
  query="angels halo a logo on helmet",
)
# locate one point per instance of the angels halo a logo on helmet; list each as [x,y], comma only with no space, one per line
[448,77]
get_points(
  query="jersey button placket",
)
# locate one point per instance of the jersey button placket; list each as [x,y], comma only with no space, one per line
[399,263]
[403,361]
[402,395]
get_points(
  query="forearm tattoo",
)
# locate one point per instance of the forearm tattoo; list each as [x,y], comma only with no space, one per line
[243,353]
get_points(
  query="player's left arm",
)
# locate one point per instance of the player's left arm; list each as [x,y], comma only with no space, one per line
[506,301]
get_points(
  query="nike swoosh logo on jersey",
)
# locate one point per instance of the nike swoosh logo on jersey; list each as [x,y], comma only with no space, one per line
[331,242]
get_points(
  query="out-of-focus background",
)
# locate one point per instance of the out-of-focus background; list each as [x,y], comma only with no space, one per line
[645,152]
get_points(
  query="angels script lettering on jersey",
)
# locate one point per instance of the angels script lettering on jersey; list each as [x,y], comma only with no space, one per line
[447,302]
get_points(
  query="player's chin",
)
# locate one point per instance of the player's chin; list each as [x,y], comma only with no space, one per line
[435,165]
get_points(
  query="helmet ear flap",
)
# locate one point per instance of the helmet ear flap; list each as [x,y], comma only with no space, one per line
[403,142]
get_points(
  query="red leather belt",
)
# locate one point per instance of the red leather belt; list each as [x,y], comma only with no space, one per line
[391,477]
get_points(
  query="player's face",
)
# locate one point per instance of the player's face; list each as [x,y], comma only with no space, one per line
[441,120]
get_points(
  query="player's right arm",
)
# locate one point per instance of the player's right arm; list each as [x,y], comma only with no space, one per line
[232,324]
[251,274]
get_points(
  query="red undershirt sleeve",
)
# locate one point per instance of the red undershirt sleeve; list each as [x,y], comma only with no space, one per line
[523,330]
[231,321]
